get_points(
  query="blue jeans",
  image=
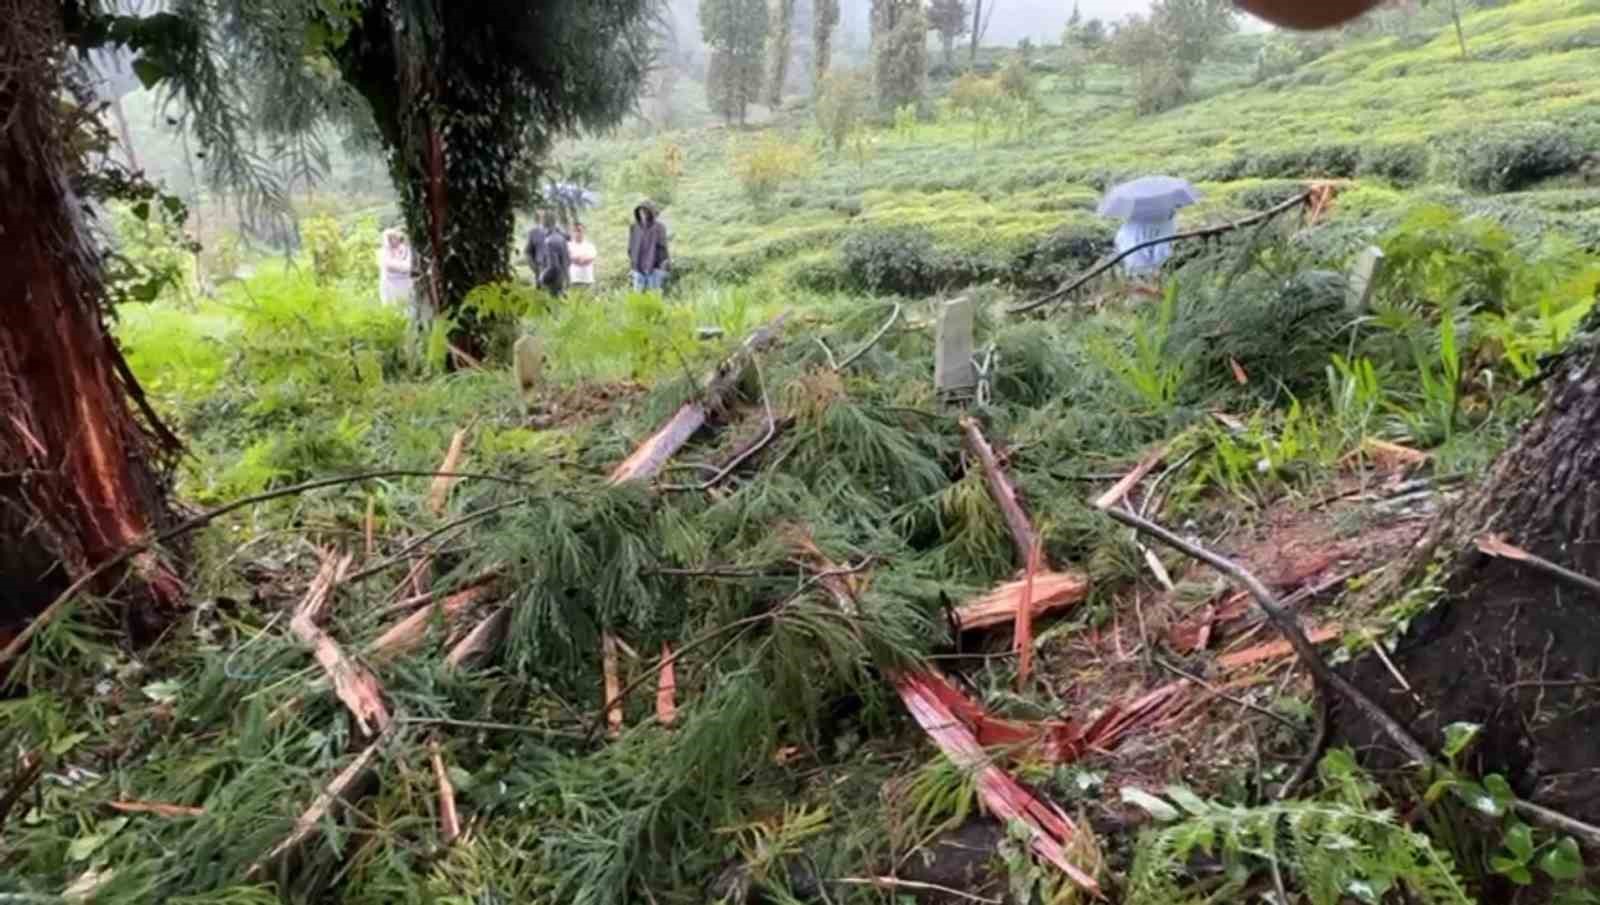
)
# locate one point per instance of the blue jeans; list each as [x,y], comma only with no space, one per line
[655,279]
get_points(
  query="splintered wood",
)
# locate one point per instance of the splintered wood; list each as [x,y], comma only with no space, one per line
[449,818]
[355,685]
[1051,591]
[341,787]
[1000,490]
[439,494]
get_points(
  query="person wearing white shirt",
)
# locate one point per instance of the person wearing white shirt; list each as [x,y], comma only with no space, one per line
[583,255]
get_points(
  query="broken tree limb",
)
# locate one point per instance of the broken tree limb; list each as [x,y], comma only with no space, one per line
[406,634]
[667,688]
[1286,623]
[355,685]
[853,357]
[439,494]
[646,460]
[484,637]
[322,807]
[1114,260]
[158,808]
[449,818]
[1051,591]
[613,684]
[1120,489]
[1022,627]
[1000,489]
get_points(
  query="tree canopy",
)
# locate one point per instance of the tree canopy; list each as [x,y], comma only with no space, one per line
[736,32]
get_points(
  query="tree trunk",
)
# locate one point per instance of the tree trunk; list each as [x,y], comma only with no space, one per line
[457,203]
[778,46]
[825,16]
[1510,647]
[949,40]
[78,483]
[1461,36]
[977,30]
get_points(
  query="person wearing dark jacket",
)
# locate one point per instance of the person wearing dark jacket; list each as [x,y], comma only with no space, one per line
[531,250]
[553,262]
[647,248]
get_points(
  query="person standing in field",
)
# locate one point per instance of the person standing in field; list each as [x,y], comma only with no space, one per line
[553,262]
[394,274]
[583,257]
[647,248]
[535,244]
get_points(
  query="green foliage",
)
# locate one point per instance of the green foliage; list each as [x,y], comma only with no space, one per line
[654,173]
[339,253]
[1165,48]
[841,102]
[1510,160]
[1343,846]
[1148,369]
[766,164]
[905,261]
[152,255]
[900,55]
[736,33]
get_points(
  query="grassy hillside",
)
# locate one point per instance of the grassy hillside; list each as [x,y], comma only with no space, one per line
[1395,113]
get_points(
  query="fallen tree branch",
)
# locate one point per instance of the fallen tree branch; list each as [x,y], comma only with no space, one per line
[1114,260]
[744,454]
[1051,591]
[323,805]
[410,631]
[1000,490]
[1128,481]
[1236,701]
[449,819]
[439,493]
[355,685]
[1327,678]
[58,606]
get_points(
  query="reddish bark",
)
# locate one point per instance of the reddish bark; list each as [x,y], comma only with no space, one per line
[77,480]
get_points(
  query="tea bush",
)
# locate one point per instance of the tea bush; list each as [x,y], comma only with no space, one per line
[1402,164]
[905,260]
[770,163]
[1509,161]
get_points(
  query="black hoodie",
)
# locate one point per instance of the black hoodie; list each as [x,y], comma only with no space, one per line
[647,242]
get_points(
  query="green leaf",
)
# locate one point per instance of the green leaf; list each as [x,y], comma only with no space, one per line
[1189,801]
[1563,861]
[67,742]
[1497,786]
[150,72]
[1157,808]
[85,846]
[1519,841]
[1477,798]
[164,692]
[1457,736]
[141,210]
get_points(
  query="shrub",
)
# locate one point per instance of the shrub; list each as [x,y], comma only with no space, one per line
[1060,255]
[770,163]
[1268,194]
[1507,162]
[1402,164]
[905,260]
[654,174]
[841,102]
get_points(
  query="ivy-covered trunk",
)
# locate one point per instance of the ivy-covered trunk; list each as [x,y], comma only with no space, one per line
[78,478]
[782,24]
[449,127]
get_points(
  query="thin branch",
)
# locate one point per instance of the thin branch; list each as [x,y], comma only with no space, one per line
[896,883]
[1237,701]
[1116,259]
[405,552]
[876,337]
[745,454]
[1497,546]
[1327,678]
[56,608]
[1308,763]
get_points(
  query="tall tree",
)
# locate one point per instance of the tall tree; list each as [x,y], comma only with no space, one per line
[1165,48]
[824,19]
[949,19]
[80,477]
[736,32]
[778,50]
[899,53]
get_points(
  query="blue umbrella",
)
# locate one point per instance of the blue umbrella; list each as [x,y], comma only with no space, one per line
[570,196]
[1151,198]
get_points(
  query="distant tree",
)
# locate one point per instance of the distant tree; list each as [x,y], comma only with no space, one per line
[1093,35]
[736,32]
[1165,48]
[950,19]
[1455,17]
[824,19]
[899,53]
[842,100]
[778,49]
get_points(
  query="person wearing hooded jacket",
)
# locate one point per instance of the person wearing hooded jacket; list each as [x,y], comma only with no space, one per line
[647,248]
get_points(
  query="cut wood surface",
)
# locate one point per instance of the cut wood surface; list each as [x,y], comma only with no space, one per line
[1051,591]
[355,685]
[406,634]
[449,818]
[1275,650]
[1000,489]
[158,808]
[667,688]
[439,494]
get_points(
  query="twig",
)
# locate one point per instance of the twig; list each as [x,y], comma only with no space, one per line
[746,453]
[54,611]
[1237,701]
[405,552]
[896,883]
[484,725]
[1116,259]
[29,768]
[876,337]
[1495,545]
[1327,678]
[833,363]
[1308,763]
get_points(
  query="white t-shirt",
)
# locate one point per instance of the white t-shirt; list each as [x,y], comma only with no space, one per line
[582,274]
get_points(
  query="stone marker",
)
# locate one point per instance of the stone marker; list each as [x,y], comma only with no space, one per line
[953,371]
[1363,276]
[528,354]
